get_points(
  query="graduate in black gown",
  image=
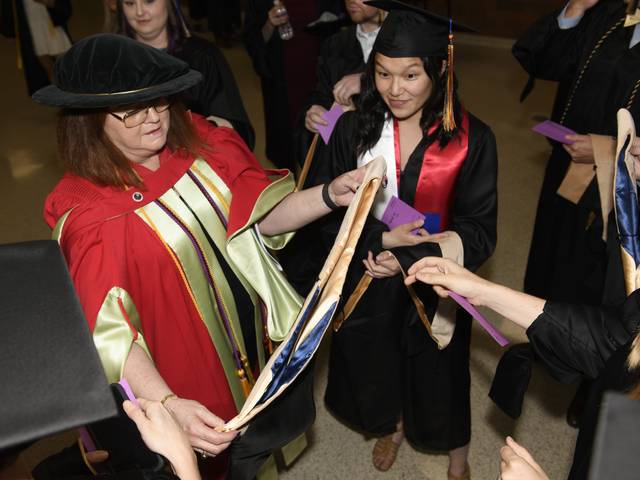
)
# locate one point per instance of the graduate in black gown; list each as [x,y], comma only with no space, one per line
[600,58]
[339,67]
[572,340]
[341,62]
[286,67]
[161,25]
[391,374]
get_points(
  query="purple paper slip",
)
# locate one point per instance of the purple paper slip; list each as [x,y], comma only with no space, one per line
[331,117]
[484,323]
[399,213]
[554,131]
[127,389]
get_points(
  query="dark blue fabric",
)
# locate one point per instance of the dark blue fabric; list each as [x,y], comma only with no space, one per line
[291,361]
[627,208]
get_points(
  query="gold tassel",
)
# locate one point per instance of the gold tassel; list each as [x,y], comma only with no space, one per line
[448,119]
[246,387]
[247,369]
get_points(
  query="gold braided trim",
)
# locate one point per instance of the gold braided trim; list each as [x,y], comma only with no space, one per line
[633,94]
[586,64]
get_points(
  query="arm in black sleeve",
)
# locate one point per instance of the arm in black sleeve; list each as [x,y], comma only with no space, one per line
[545,51]
[577,340]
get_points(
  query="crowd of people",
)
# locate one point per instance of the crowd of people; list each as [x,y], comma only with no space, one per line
[181,247]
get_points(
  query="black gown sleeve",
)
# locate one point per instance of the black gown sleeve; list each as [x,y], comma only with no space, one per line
[547,52]
[475,206]
[218,93]
[577,340]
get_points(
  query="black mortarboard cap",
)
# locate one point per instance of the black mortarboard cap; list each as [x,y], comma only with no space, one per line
[410,31]
[51,376]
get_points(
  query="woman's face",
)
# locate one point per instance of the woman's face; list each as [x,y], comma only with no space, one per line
[403,85]
[142,142]
[147,18]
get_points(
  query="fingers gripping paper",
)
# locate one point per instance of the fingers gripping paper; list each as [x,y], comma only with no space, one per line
[302,341]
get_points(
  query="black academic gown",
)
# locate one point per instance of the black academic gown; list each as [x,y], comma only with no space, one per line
[286,69]
[568,259]
[580,341]
[383,363]
[340,55]
[218,93]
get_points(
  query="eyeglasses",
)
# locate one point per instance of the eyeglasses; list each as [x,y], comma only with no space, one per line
[136,117]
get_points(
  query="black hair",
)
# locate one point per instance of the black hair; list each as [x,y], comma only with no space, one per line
[372,111]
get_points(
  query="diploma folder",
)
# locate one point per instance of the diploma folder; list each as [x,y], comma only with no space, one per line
[52,379]
[296,351]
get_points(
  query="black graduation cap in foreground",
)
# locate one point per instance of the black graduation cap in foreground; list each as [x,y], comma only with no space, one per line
[50,373]
[410,31]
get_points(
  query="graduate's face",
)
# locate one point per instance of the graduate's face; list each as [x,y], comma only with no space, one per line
[147,18]
[403,84]
[359,12]
[142,142]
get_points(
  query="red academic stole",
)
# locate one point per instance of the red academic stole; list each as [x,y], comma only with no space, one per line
[440,167]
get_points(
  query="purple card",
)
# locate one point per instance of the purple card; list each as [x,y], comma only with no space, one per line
[331,116]
[127,389]
[554,131]
[484,323]
[398,213]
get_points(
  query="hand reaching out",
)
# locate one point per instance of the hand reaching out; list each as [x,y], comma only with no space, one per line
[343,188]
[162,434]
[444,275]
[402,235]
[199,424]
[346,87]
[518,464]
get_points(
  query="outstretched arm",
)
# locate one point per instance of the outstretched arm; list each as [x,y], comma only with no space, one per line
[444,274]
[300,208]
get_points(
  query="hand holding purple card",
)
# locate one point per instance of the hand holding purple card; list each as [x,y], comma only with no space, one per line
[398,213]
[331,116]
[554,131]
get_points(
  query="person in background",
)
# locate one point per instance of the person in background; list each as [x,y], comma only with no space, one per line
[163,220]
[160,24]
[286,67]
[395,369]
[592,52]
[340,65]
[41,32]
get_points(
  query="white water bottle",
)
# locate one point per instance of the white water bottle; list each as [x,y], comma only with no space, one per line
[285,30]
